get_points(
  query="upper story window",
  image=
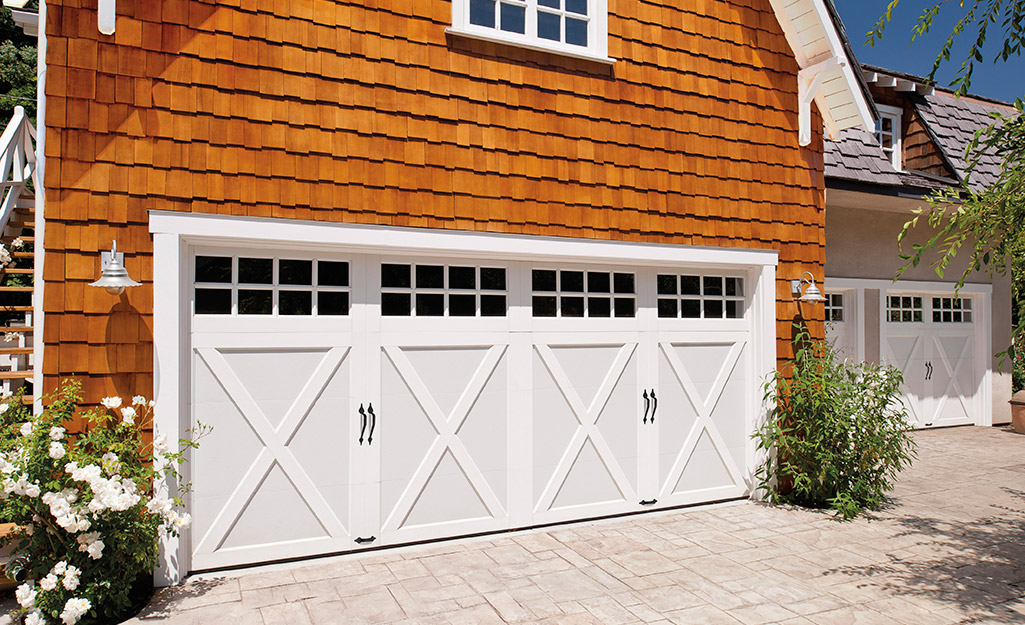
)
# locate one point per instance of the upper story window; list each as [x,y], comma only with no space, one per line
[572,27]
[888,133]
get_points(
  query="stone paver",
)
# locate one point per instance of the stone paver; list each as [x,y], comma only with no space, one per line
[950,550]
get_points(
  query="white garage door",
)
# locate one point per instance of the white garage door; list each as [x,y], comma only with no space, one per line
[931,339]
[365,400]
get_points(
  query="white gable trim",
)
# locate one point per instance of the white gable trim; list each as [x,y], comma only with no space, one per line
[827,75]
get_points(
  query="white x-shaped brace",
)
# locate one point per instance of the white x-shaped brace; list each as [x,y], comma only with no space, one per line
[952,381]
[587,417]
[915,409]
[447,426]
[275,450]
[703,407]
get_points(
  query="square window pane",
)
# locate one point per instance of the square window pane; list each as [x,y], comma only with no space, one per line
[905,315]
[966,304]
[625,307]
[255,270]
[957,304]
[894,301]
[571,281]
[576,32]
[482,13]
[554,4]
[936,302]
[492,305]
[572,307]
[957,316]
[331,273]
[332,303]
[713,285]
[395,276]
[598,282]
[905,302]
[430,277]
[543,280]
[666,285]
[599,307]
[917,302]
[252,302]
[213,269]
[577,6]
[462,305]
[713,309]
[734,310]
[624,283]
[493,278]
[294,271]
[690,285]
[213,301]
[430,305]
[544,306]
[395,304]
[513,18]
[461,278]
[936,316]
[918,315]
[295,303]
[690,308]
[894,315]
[549,26]
[968,316]
[946,316]
[734,287]
[667,308]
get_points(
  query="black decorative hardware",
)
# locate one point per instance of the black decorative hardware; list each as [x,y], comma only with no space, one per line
[928,370]
[648,502]
[363,423]
[362,541]
[647,404]
[654,405]
[373,423]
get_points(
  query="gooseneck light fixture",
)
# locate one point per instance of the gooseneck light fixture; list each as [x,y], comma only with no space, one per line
[811,294]
[114,277]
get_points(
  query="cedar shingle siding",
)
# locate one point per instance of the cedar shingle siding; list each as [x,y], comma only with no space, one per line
[367,112]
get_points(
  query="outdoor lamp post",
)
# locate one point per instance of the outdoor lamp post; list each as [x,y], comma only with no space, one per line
[114,277]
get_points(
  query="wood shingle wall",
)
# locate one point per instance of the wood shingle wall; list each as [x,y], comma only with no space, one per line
[368,112]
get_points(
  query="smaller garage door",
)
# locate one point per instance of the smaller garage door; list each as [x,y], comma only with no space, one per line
[931,338]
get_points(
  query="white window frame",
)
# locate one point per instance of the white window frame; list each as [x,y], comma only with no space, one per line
[894,114]
[597,31]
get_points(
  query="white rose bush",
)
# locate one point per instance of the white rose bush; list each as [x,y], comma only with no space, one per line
[89,508]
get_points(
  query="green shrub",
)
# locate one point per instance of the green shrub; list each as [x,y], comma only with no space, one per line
[837,433]
[90,509]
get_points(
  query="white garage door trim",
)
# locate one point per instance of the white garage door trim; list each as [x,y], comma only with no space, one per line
[982,328]
[176,235]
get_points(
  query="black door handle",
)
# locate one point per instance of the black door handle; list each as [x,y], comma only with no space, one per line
[373,423]
[654,405]
[363,423]
[647,404]
[361,541]
[648,502]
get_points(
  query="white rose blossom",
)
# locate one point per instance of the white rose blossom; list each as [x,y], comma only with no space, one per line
[71,578]
[49,582]
[128,415]
[35,617]
[4,407]
[26,428]
[111,402]
[26,596]
[57,433]
[74,609]
[138,400]
[56,450]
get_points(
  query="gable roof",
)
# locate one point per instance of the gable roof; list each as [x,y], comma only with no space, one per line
[952,122]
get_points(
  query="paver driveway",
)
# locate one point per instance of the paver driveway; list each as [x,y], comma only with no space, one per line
[952,550]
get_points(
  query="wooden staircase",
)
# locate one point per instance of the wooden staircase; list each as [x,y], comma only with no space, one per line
[17,257]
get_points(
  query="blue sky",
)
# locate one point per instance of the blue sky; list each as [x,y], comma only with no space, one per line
[1004,80]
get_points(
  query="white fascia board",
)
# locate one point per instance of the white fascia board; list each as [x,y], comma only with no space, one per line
[28,21]
[201,228]
[805,60]
[917,286]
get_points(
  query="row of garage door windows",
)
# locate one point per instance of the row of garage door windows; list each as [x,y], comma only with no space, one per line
[910,309]
[254,286]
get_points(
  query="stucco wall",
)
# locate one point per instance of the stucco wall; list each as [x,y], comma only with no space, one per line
[862,243]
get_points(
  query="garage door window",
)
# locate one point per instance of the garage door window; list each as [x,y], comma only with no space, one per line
[700,297]
[904,308]
[951,310]
[577,293]
[249,285]
[834,307]
[412,290]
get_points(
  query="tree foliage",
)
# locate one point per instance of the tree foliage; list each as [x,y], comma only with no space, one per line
[17,68]
[986,223]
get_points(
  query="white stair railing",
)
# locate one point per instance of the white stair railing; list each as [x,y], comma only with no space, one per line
[17,162]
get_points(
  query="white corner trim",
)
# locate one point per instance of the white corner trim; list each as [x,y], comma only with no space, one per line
[389,239]
[39,261]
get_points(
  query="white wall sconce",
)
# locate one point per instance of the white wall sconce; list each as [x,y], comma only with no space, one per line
[811,294]
[114,277]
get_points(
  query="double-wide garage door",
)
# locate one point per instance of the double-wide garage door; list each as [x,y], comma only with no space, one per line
[360,400]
